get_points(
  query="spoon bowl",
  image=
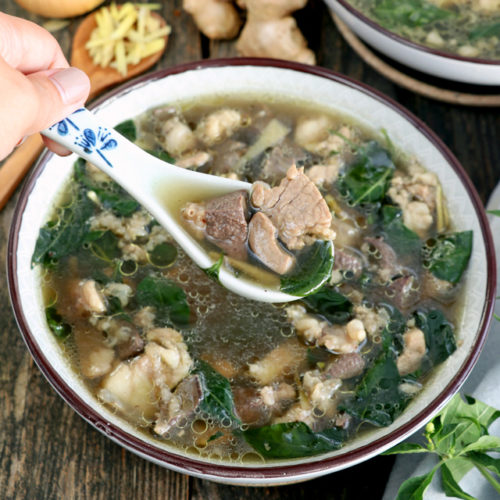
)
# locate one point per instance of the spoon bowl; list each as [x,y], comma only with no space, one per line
[162,188]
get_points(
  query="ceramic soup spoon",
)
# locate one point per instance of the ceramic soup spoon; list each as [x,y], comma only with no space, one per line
[162,188]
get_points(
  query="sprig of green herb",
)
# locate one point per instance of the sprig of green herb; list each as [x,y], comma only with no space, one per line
[459,436]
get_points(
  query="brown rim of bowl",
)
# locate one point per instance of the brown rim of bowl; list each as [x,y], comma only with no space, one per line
[228,473]
[377,27]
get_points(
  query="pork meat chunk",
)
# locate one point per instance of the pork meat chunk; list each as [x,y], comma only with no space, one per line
[346,366]
[296,208]
[263,242]
[227,227]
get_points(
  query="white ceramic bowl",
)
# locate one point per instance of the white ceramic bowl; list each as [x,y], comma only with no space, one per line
[432,61]
[299,83]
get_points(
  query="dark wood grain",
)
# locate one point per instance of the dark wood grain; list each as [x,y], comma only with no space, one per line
[48,452]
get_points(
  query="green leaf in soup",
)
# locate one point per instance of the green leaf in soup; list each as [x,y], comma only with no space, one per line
[415,487]
[367,179]
[57,325]
[485,31]
[213,270]
[397,13]
[293,440]
[127,129]
[448,258]
[105,247]
[163,255]
[402,239]
[110,194]
[331,304]
[162,155]
[67,233]
[439,335]
[217,398]
[313,269]
[377,398]
[166,297]
[450,486]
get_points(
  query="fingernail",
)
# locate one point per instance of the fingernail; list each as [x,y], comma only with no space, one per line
[72,84]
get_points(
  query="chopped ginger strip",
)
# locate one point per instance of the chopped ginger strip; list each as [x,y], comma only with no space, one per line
[126,35]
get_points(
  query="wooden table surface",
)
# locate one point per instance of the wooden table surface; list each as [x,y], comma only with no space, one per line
[48,452]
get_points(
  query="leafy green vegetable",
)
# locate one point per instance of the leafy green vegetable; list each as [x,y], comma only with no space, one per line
[367,179]
[166,297]
[163,255]
[402,239]
[331,304]
[439,335]
[292,440]
[377,398]
[55,321]
[127,129]
[408,12]
[217,399]
[66,234]
[459,436]
[485,31]
[213,270]
[313,268]
[105,246]
[449,257]
[110,194]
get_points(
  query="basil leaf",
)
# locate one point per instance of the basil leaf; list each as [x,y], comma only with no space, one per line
[217,399]
[213,270]
[166,297]
[402,239]
[110,194]
[105,247]
[484,443]
[67,234]
[458,467]
[450,255]
[329,303]
[485,31]
[162,155]
[314,267]
[414,488]
[163,255]
[127,129]
[408,13]
[404,448]
[439,335]
[483,460]
[367,179]
[293,440]
[57,325]
[450,486]
[378,399]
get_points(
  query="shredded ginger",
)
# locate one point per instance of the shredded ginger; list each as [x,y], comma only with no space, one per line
[125,35]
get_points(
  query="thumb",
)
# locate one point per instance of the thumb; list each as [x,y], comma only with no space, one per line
[57,93]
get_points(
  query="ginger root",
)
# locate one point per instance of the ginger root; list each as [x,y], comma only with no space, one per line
[217,19]
[270,30]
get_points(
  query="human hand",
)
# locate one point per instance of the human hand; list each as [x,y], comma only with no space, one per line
[37,86]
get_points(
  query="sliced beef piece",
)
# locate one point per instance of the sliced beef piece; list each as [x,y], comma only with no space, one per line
[346,366]
[348,261]
[404,292]
[263,242]
[281,157]
[227,156]
[296,208]
[226,223]
[250,407]
[183,403]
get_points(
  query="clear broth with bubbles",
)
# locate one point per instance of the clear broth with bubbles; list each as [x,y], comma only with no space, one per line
[244,380]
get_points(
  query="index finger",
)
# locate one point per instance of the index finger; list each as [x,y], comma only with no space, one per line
[28,47]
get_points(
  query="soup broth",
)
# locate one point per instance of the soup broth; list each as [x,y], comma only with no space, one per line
[162,344]
[470,28]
